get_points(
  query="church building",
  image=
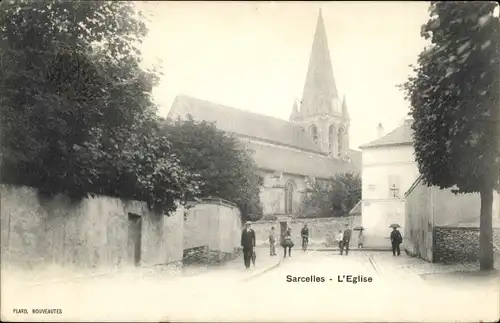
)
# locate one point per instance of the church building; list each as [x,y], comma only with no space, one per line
[312,145]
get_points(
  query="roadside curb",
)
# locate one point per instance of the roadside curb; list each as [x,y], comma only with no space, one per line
[353,250]
[262,272]
[495,274]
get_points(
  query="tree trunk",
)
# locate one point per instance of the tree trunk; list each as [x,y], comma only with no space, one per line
[486,230]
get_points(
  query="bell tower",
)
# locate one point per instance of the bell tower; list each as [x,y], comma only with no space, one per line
[321,113]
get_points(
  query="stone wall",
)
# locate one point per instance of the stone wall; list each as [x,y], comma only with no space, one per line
[442,226]
[97,234]
[460,244]
[91,233]
[215,224]
[321,231]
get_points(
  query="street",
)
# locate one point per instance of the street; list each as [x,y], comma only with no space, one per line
[226,295]
[391,296]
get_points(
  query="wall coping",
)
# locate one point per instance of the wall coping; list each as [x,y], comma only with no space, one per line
[414,185]
[307,219]
[457,227]
[213,200]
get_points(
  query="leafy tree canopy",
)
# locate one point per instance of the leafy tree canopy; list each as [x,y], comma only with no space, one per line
[335,197]
[454,97]
[227,170]
[76,107]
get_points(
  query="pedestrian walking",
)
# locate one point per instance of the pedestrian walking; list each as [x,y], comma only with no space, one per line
[361,240]
[340,237]
[287,242]
[396,240]
[272,242]
[248,243]
[346,240]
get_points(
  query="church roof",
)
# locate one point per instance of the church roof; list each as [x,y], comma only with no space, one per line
[402,135]
[244,123]
[320,91]
[286,160]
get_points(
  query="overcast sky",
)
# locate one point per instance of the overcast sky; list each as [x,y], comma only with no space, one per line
[254,55]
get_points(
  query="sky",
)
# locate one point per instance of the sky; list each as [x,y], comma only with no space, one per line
[254,55]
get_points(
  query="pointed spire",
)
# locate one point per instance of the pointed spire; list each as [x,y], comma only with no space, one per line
[295,110]
[320,91]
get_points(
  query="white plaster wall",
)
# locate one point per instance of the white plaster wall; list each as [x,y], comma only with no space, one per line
[461,210]
[379,207]
[388,155]
[378,215]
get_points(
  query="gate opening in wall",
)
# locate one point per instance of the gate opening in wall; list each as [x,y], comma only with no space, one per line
[134,239]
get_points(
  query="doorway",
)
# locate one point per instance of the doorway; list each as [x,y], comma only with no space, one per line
[134,239]
[283,228]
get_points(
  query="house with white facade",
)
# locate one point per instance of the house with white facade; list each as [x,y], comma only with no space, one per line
[388,171]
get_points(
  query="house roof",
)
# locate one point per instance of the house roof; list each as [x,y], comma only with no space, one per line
[244,123]
[402,135]
[291,161]
[356,209]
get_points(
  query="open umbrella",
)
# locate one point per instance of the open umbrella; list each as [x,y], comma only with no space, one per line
[358,228]
[395,225]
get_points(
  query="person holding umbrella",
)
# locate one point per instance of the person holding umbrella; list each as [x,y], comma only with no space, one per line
[396,239]
[361,237]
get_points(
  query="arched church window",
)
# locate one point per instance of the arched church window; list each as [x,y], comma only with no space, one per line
[314,132]
[331,137]
[288,197]
[340,139]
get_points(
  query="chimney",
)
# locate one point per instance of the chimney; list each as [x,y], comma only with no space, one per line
[380,131]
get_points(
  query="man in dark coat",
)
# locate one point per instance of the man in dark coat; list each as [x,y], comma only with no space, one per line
[346,240]
[396,240]
[305,236]
[248,243]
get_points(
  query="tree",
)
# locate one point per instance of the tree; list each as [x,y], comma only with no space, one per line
[455,105]
[226,169]
[77,114]
[335,197]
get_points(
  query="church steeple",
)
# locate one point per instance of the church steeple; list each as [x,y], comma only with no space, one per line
[320,94]
[321,113]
